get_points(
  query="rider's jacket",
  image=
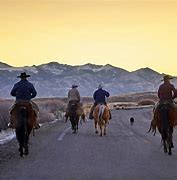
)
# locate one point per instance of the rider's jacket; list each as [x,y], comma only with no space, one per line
[166,92]
[23,90]
[99,95]
[73,95]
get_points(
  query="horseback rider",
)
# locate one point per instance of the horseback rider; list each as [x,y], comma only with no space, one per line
[74,98]
[73,94]
[24,91]
[167,91]
[99,97]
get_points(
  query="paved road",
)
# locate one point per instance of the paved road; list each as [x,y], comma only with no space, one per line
[126,153]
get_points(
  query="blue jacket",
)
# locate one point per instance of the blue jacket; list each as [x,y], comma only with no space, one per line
[23,90]
[99,96]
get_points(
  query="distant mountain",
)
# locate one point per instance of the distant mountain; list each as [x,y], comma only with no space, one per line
[54,79]
[4,65]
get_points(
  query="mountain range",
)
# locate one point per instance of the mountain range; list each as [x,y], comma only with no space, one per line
[54,79]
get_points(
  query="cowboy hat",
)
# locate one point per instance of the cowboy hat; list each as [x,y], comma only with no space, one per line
[23,75]
[166,77]
[74,86]
[100,86]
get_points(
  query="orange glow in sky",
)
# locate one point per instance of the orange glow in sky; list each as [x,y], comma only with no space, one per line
[125,33]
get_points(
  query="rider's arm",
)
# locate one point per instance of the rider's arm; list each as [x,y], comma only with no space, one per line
[174,92]
[158,93]
[13,91]
[78,95]
[107,94]
[33,91]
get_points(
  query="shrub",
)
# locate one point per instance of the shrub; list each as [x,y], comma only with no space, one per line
[146,102]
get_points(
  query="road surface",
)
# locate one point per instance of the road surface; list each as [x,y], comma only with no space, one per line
[125,153]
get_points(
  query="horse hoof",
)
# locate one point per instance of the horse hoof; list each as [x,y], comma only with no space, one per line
[96,132]
[165,150]
[26,152]
[169,153]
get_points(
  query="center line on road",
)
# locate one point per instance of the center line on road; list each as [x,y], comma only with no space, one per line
[60,138]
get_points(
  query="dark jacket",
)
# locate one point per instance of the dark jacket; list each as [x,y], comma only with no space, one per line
[99,96]
[23,90]
[166,92]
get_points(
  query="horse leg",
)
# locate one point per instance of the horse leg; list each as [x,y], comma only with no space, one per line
[164,146]
[20,141]
[105,130]
[77,124]
[170,143]
[27,143]
[101,130]
[164,138]
[169,150]
[96,131]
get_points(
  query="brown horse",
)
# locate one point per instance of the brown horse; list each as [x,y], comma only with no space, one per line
[23,117]
[165,118]
[75,112]
[101,116]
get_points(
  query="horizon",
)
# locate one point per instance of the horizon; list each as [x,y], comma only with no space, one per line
[83,65]
[127,34]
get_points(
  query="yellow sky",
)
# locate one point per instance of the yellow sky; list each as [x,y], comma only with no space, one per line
[125,33]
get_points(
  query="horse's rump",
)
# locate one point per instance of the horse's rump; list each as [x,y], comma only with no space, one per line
[172,116]
[75,107]
[101,112]
[15,110]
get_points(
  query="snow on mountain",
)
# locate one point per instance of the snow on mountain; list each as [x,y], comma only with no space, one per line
[54,79]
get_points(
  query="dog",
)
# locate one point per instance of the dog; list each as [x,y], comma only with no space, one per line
[131,121]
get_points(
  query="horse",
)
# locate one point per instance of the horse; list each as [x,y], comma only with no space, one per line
[74,112]
[73,116]
[165,118]
[101,116]
[24,118]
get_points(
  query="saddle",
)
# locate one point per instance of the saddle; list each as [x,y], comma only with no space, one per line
[172,114]
[13,111]
[77,107]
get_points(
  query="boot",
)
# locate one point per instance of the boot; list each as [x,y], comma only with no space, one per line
[110,116]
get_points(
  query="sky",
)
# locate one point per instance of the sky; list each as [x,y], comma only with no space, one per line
[129,34]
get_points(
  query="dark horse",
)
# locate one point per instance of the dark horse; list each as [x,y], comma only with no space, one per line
[164,120]
[24,115]
[74,116]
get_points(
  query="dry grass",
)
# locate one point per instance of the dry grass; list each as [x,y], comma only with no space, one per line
[51,108]
[4,113]
[47,110]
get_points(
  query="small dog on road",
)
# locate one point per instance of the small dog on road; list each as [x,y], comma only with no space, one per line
[131,121]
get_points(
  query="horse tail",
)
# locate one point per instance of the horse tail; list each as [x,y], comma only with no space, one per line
[164,121]
[101,111]
[152,129]
[164,118]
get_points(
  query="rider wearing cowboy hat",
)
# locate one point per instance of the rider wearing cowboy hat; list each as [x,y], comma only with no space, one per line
[166,94]
[24,90]
[166,91]
[99,97]
[73,97]
[73,94]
